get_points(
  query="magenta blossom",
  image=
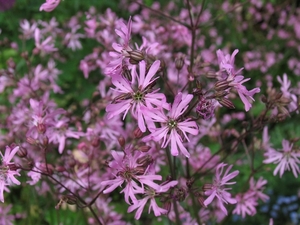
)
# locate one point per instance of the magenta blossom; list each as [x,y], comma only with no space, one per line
[245,95]
[235,80]
[8,170]
[287,159]
[150,194]
[127,168]
[246,204]
[121,49]
[173,129]
[218,188]
[49,5]
[134,95]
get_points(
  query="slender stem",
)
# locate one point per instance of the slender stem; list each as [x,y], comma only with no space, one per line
[94,214]
[195,205]
[196,209]
[176,213]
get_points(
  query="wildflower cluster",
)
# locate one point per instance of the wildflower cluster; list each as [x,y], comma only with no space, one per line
[151,113]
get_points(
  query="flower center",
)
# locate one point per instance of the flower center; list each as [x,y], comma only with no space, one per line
[138,96]
[172,124]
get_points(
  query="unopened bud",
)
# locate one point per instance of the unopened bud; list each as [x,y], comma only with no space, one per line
[179,62]
[121,141]
[221,85]
[264,99]
[133,62]
[137,133]
[22,153]
[206,187]
[13,167]
[278,95]
[60,169]
[211,74]
[136,56]
[200,199]
[45,141]
[46,168]
[145,160]
[71,162]
[41,128]
[226,103]
[127,74]
[95,142]
[31,140]
[144,148]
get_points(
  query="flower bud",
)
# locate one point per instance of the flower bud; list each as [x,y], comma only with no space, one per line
[136,56]
[211,74]
[60,169]
[200,199]
[71,162]
[45,141]
[121,141]
[46,168]
[137,133]
[22,153]
[31,141]
[144,148]
[13,167]
[226,103]
[206,187]
[145,160]
[264,99]
[179,62]
[221,85]
[95,142]
[41,128]
[127,74]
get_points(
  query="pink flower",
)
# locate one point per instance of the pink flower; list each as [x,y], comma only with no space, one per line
[258,187]
[5,218]
[46,46]
[227,72]
[173,129]
[127,168]
[42,118]
[7,170]
[246,204]
[121,50]
[287,159]
[135,96]
[218,188]
[226,65]
[245,95]
[49,5]
[150,195]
